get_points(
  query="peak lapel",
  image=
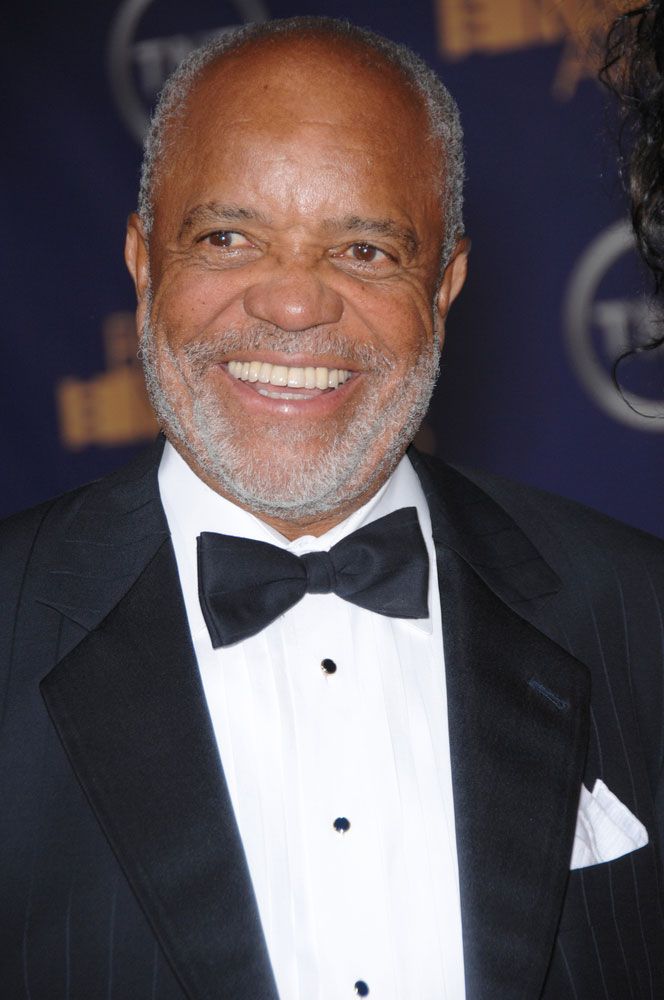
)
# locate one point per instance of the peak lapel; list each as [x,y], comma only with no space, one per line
[99,541]
[129,708]
[518,720]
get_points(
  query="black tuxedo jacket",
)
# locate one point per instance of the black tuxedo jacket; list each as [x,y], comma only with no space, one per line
[122,874]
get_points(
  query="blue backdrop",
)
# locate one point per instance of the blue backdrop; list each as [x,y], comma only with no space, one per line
[554,294]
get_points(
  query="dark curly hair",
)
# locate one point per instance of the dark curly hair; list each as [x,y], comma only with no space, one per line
[634,70]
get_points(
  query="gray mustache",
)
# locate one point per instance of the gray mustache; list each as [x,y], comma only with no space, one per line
[202,353]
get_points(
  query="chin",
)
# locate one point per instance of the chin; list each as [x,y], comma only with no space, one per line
[285,480]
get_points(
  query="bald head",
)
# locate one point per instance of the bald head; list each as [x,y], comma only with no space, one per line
[320,63]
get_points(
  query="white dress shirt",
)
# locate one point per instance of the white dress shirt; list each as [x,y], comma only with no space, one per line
[374,910]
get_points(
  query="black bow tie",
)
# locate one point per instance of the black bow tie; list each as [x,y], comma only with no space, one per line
[244,585]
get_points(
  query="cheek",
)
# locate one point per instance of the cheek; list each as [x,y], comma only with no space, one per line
[190,302]
[400,320]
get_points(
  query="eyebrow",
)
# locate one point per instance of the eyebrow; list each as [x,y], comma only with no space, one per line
[214,212]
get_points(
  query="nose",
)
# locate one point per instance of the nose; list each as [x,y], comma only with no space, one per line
[293,298]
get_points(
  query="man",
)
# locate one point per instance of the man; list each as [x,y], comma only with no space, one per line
[258,773]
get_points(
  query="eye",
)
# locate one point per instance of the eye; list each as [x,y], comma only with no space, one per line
[226,239]
[373,258]
[366,253]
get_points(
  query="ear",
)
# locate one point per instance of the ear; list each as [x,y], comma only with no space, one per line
[453,281]
[136,255]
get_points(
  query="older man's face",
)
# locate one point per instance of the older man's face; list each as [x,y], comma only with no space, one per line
[293,321]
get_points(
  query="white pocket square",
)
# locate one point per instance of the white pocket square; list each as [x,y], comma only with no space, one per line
[605,828]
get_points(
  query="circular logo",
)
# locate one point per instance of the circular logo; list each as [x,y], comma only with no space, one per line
[138,67]
[604,319]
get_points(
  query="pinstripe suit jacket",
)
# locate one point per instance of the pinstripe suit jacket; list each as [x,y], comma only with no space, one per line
[121,870]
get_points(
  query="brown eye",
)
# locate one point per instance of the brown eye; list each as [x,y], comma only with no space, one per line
[224,238]
[364,252]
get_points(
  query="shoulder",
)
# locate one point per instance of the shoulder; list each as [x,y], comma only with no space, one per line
[20,532]
[532,506]
[27,535]
[552,520]
[21,536]
[28,540]
[598,559]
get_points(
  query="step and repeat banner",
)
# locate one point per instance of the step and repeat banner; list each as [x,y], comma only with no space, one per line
[555,293]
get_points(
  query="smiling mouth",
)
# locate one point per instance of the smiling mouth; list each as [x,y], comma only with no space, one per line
[287,382]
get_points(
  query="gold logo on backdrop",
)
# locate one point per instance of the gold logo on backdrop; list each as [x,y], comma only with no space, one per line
[111,408]
[494,26]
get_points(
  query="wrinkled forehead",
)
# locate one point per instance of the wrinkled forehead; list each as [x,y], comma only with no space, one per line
[277,86]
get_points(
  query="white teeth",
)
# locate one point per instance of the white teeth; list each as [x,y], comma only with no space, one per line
[281,375]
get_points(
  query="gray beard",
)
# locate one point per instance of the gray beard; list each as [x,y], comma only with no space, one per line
[304,487]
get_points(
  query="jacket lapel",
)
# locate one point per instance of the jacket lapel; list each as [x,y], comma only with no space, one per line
[518,720]
[128,706]
[99,543]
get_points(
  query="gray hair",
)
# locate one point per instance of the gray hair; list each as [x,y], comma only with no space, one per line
[441,108]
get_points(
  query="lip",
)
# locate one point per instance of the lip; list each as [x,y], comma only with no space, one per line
[323,404]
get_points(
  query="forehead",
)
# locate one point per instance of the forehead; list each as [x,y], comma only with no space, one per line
[319,104]
[319,73]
